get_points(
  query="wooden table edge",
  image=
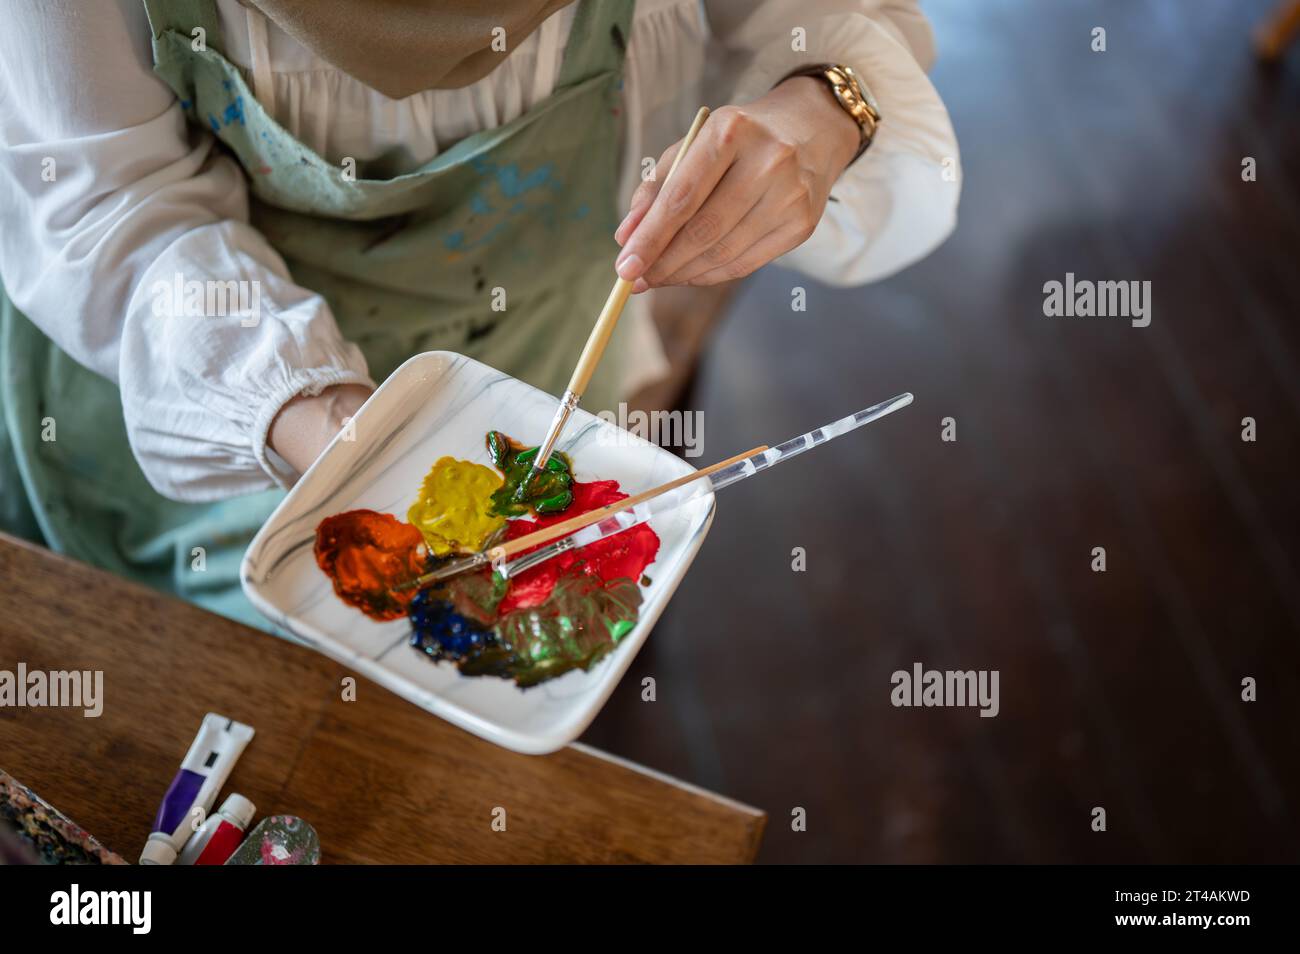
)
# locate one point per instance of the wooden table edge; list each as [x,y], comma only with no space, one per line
[754,819]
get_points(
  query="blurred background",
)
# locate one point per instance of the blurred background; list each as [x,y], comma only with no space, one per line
[1119,689]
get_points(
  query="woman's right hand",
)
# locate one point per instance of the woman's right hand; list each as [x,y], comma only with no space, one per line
[307,423]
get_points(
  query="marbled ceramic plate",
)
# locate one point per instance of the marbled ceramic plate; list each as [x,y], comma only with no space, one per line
[437,404]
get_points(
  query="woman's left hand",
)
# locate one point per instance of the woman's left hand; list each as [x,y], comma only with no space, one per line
[752,187]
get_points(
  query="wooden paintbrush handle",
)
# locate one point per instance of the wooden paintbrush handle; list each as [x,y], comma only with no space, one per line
[701,115]
[618,295]
[599,336]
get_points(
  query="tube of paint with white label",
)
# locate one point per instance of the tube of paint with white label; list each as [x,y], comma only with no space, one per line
[206,767]
[219,836]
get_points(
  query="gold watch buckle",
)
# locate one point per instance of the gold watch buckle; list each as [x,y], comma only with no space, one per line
[856,99]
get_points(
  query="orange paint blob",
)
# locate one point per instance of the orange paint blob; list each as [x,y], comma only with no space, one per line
[366,554]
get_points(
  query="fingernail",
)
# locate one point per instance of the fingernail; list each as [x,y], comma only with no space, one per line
[629,267]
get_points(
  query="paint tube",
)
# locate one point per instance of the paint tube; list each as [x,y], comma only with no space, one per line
[221,834]
[205,769]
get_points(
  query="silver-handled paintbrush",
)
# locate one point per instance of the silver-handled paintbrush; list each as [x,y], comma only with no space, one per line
[723,478]
[598,524]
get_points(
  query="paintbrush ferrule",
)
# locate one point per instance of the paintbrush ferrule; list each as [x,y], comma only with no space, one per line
[511,569]
[568,404]
[446,571]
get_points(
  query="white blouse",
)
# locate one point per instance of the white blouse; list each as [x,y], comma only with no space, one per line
[104,191]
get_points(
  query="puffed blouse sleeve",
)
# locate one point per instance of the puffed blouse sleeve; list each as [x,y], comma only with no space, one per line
[108,201]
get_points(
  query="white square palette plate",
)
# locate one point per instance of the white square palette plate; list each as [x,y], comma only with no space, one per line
[439,404]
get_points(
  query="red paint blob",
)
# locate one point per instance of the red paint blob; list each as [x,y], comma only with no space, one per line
[366,554]
[625,554]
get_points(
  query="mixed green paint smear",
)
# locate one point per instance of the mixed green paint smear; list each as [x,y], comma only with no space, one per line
[549,492]
[579,624]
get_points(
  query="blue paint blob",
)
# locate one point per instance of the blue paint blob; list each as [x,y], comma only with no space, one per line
[506,192]
[437,629]
[235,112]
[513,184]
[457,241]
[212,121]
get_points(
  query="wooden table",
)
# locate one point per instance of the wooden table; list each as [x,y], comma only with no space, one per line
[380,779]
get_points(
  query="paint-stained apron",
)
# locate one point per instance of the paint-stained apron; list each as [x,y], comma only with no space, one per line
[408,264]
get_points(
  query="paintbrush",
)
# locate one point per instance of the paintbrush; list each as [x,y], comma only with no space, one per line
[636,510]
[503,551]
[724,477]
[598,339]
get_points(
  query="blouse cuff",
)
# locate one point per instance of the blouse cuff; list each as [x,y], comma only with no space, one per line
[308,382]
[847,39]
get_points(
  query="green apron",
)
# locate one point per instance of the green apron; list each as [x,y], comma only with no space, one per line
[408,263]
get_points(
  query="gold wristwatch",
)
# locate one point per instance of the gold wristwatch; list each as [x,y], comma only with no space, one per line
[853,96]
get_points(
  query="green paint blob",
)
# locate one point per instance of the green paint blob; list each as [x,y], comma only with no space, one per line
[550,492]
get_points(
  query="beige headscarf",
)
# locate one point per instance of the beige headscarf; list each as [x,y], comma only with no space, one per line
[400,47]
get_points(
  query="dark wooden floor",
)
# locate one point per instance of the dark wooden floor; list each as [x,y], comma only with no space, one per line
[1118,689]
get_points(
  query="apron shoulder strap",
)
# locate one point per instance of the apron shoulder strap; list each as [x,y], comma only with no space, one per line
[184,17]
[597,40]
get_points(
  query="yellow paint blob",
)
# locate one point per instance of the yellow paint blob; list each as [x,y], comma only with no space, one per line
[454,509]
